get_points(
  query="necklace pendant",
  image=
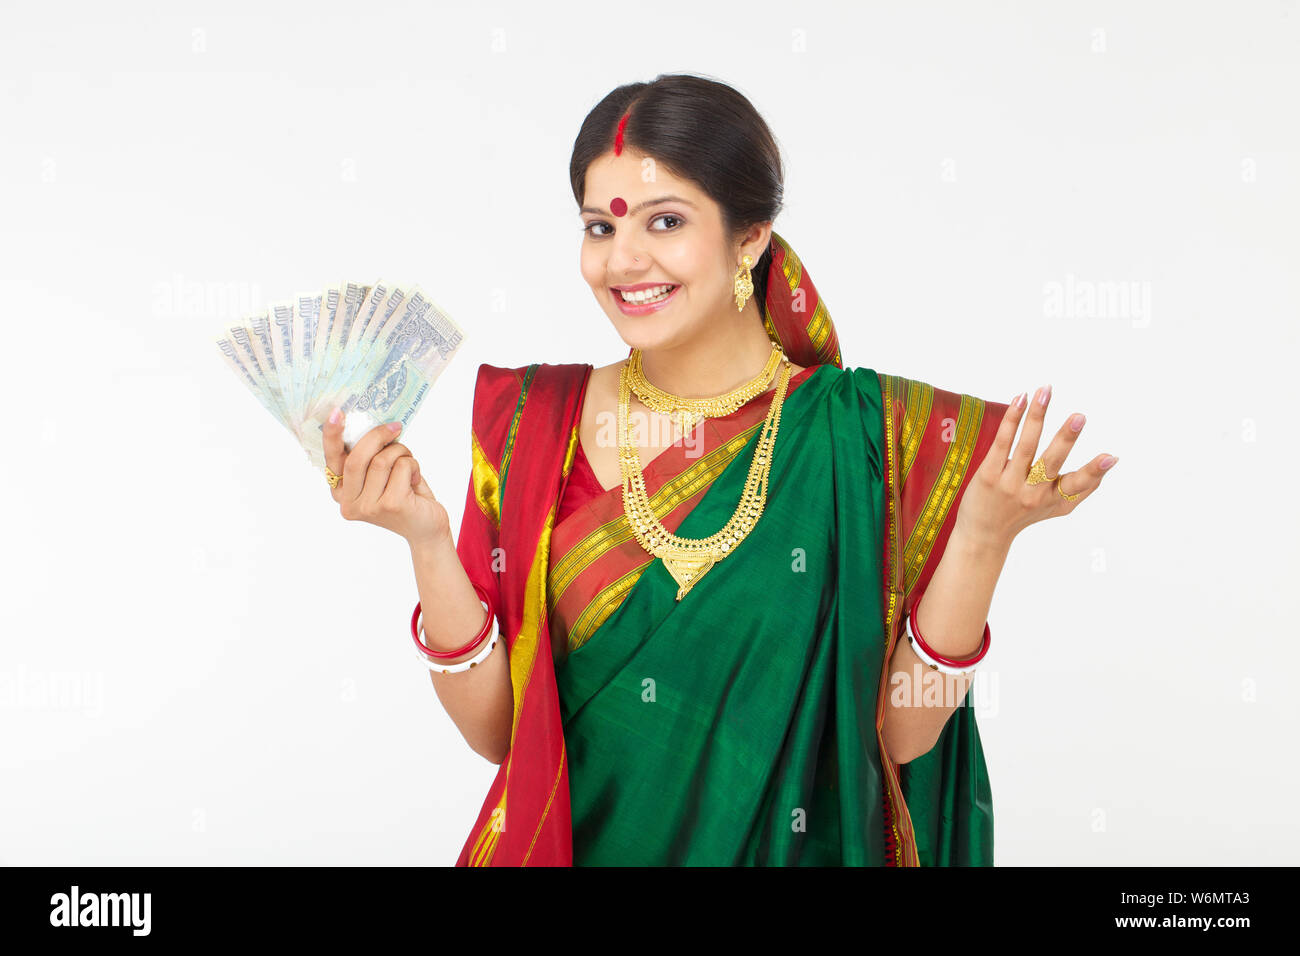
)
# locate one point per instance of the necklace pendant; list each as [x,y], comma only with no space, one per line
[686,567]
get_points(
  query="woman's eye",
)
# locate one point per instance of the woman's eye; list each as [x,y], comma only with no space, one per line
[601,235]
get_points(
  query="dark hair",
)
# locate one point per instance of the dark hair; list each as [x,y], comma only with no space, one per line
[701,130]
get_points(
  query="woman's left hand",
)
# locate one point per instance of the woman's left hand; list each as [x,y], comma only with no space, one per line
[997,503]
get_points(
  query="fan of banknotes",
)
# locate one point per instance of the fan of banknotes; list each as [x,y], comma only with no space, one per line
[373,350]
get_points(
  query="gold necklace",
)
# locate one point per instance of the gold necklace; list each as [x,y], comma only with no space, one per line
[689,411]
[689,559]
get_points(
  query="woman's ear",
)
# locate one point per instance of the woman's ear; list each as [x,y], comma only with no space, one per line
[756,240]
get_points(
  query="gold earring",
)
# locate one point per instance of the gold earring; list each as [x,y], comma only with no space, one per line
[744,284]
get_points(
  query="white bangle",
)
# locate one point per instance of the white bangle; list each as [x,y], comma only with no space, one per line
[441,668]
[927,659]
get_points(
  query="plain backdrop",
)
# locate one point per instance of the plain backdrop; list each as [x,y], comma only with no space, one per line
[202,662]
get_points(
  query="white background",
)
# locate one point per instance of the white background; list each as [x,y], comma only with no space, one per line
[244,685]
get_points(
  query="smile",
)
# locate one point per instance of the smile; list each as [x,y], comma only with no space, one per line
[645,300]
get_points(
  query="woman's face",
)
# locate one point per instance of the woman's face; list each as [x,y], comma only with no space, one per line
[676,242]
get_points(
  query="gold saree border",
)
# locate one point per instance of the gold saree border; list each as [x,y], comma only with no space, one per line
[508,451]
[939,501]
[819,328]
[903,852]
[670,496]
[487,483]
[905,561]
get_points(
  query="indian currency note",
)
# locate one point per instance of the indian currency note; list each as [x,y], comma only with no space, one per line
[378,308]
[281,314]
[306,317]
[411,348]
[260,340]
[352,297]
[252,337]
[242,362]
[329,306]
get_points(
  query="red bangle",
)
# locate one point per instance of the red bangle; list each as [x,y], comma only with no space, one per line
[951,662]
[479,639]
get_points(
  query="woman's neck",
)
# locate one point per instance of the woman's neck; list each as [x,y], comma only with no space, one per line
[726,355]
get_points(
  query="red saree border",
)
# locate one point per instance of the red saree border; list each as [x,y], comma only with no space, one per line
[934,440]
[518,416]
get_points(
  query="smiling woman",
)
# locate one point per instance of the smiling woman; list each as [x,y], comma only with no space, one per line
[700,647]
[655,216]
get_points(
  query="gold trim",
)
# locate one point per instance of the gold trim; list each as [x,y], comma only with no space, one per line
[570,453]
[549,800]
[610,534]
[670,496]
[888,384]
[944,492]
[605,603]
[523,650]
[791,265]
[819,326]
[487,483]
[523,656]
[918,406]
[487,838]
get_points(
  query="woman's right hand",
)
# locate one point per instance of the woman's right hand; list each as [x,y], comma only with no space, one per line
[382,485]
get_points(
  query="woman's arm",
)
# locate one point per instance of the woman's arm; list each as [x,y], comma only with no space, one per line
[480,701]
[999,502]
[951,615]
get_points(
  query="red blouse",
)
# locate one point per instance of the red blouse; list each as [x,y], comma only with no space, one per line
[581,487]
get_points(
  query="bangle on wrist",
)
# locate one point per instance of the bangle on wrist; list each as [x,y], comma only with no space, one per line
[938,662]
[436,659]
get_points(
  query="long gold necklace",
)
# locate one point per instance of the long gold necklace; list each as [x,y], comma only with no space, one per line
[689,411]
[689,559]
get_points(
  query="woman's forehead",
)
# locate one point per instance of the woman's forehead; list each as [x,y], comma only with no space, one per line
[621,194]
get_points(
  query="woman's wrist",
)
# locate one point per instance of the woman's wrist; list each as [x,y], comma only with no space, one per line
[444,589]
[979,547]
[431,547]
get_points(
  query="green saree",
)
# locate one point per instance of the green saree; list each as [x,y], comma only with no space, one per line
[738,726]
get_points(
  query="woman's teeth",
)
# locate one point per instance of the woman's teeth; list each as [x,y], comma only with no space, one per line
[644,296]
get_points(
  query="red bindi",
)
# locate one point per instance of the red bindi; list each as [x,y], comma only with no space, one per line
[618,206]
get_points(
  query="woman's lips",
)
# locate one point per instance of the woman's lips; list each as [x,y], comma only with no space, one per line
[634,308]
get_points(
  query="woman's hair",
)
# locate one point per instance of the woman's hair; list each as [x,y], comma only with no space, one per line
[700,130]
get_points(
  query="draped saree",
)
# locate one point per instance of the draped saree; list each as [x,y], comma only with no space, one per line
[741,725]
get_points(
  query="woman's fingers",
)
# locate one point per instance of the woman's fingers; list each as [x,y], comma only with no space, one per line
[332,435]
[1059,449]
[381,466]
[399,482]
[1023,456]
[358,461]
[1000,450]
[1083,482]
[366,468]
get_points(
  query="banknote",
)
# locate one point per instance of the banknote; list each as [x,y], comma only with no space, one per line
[373,349]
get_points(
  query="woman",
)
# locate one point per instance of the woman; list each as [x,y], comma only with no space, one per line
[722,584]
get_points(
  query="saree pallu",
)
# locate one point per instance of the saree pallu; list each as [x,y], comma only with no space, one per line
[741,725]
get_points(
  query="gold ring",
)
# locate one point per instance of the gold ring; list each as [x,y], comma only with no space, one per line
[1038,474]
[332,478]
